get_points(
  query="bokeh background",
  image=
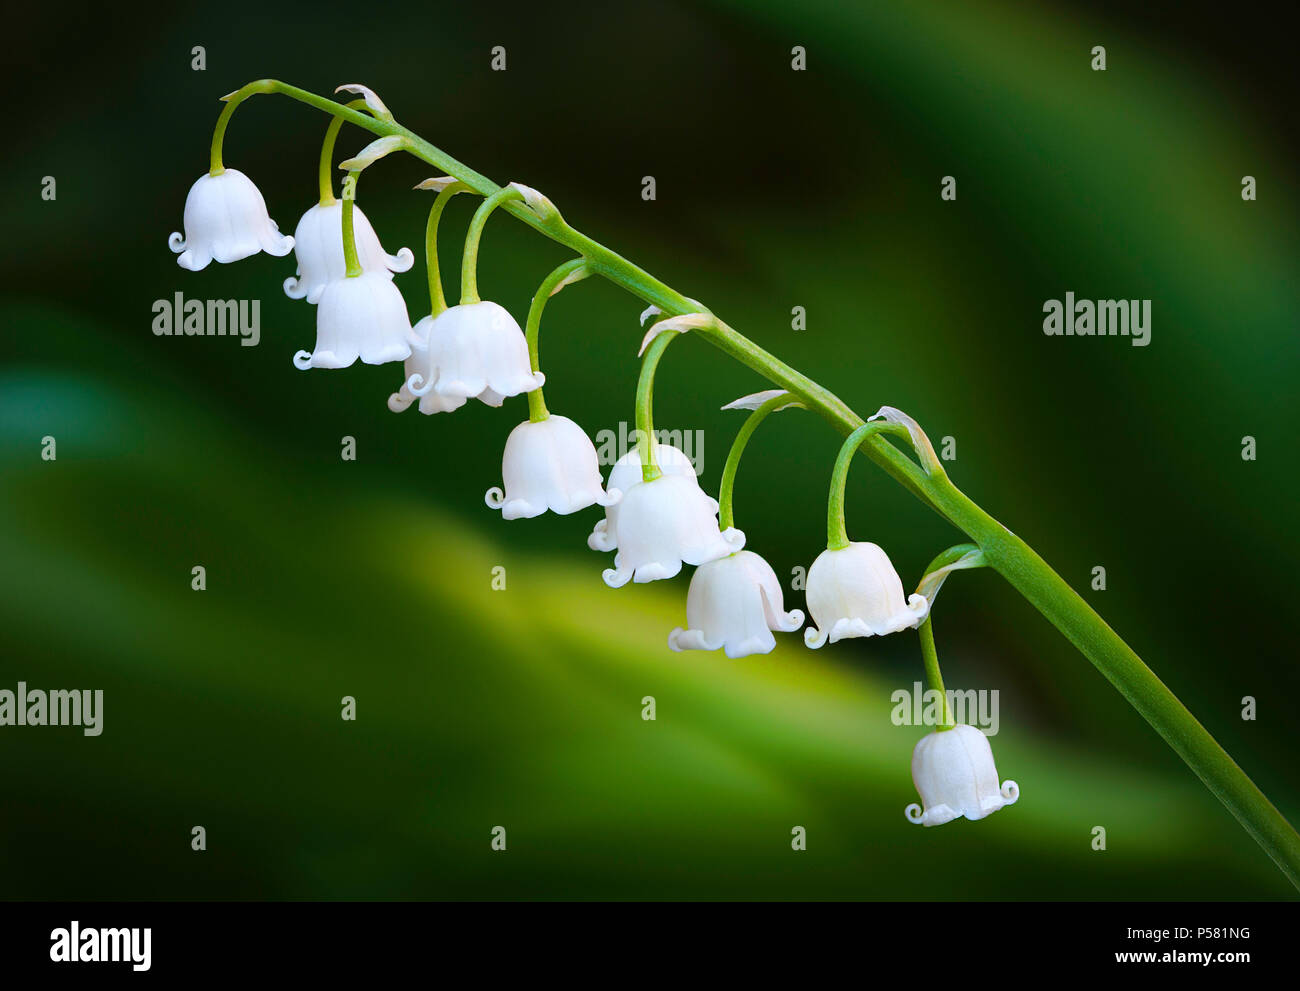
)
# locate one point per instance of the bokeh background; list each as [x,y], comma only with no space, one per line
[522,707]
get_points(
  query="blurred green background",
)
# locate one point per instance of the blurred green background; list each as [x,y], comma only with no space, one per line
[522,707]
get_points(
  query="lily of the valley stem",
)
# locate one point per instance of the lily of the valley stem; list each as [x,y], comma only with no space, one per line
[1000,549]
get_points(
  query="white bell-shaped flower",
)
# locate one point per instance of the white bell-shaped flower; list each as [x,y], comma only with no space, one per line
[550,464]
[318,246]
[666,523]
[735,603]
[855,592]
[226,219]
[472,351]
[954,774]
[418,370]
[360,317]
[626,473]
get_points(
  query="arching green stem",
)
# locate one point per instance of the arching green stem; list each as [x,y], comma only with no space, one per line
[437,301]
[1003,551]
[959,557]
[837,537]
[645,401]
[326,174]
[570,271]
[725,517]
[469,260]
[219,132]
[349,234]
[326,169]
[932,673]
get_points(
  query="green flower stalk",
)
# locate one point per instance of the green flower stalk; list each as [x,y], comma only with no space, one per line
[932,673]
[953,559]
[565,274]
[763,405]
[469,259]
[325,170]
[645,401]
[352,265]
[447,188]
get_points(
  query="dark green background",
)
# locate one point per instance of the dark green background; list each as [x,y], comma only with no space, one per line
[522,708]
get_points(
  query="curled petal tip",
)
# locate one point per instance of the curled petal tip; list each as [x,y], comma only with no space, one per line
[302,360]
[1010,791]
[176,241]
[402,261]
[611,497]
[417,385]
[614,578]
[813,637]
[672,640]
[293,288]
[600,539]
[735,539]
[274,243]
[399,403]
[914,814]
[495,498]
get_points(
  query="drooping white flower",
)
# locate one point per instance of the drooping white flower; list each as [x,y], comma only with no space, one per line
[626,473]
[734,603]
[360,317]
[318,245]
[955,776]
[226,219]
[417,370]
[664,524]
[550,464]
[855,592]
[472,351]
